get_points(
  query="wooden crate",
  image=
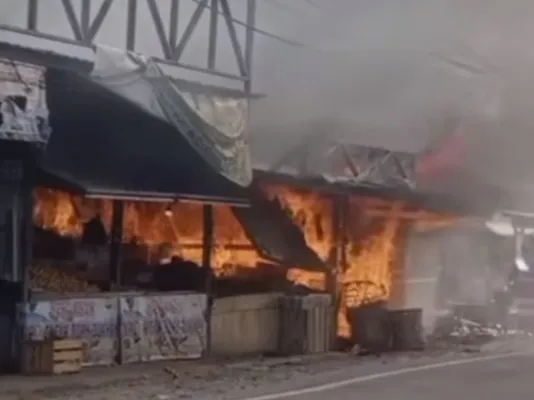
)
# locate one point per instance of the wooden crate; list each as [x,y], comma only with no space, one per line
[63,356]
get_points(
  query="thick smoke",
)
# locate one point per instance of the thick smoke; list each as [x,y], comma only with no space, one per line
[402,75]
[395,74]
[464,265]
[398,74]
[367,72]
[374,72]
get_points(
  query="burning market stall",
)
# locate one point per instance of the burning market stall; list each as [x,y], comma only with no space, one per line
[126,173]
[355,205]
[23,134]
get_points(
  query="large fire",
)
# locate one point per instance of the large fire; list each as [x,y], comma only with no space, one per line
[313,214]
[150,224]
[372,259]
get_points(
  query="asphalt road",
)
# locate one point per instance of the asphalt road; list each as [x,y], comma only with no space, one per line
[506,378]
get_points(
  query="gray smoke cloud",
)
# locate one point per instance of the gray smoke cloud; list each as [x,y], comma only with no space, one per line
[393,74]
[379,73]
[455,266]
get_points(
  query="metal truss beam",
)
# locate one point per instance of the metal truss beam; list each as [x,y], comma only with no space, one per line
[233,37]
[48,59]
[84,28]
[377,165]
[358,165]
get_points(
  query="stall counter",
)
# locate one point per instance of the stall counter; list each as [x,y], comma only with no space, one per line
[125,326]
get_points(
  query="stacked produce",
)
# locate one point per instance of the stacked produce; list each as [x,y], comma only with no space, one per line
[52,279]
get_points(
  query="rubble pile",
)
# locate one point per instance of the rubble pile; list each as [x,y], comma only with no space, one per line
[456,330]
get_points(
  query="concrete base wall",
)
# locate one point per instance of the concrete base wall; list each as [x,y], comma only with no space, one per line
[244,325]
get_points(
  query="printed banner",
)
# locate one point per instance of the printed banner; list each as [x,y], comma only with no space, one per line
[162,327]
[23,108]
[94,320]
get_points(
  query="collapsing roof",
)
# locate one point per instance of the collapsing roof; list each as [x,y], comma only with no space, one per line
[274,234]
[327,163]
[433,180]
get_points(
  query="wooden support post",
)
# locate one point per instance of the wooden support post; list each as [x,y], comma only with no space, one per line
[207,213]
[27,241]
[338,257]
[25,263]
[333,259]
[115,263]
[117,219]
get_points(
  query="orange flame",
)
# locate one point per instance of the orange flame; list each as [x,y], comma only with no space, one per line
[372,251]
[369,272]
[313,214]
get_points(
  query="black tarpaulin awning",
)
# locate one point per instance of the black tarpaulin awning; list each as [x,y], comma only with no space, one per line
[275,235]
[108,146]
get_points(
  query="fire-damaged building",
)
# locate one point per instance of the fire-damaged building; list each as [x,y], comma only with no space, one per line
[69,195]
[122,202]
[357,207]
[136,220]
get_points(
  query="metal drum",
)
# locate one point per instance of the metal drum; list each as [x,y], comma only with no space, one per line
[406,329]
[370,327]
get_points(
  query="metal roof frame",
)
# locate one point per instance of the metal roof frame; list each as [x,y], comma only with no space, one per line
[28,43]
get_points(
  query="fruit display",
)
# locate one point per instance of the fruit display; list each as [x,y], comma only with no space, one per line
[53,279]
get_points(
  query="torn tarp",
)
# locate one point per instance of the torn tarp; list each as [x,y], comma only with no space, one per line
[274,234]
[214,126]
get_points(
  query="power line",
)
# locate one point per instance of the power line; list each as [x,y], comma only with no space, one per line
[317,7]
[257,30]
[283,7]
[311,3]
[278,4]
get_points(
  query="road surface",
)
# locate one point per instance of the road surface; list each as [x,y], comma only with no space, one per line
[490,378]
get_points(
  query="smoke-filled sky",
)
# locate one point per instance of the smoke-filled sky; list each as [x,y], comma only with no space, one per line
[378,72]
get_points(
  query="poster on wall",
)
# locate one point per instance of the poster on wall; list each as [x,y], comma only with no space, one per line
[162,327]
[23,108]
[93,320]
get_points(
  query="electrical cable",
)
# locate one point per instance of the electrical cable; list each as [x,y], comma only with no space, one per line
[315,6]
[257,30]
[311,3]
[283,7]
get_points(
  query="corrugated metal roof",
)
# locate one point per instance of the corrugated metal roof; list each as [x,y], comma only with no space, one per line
[48,44]
[49,50]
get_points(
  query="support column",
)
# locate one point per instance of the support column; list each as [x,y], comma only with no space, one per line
[25,261]
[26,255]
[117,219]
[207,247]
[338,258]
[249,43]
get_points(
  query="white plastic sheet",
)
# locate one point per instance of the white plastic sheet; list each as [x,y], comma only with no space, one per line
[221,135]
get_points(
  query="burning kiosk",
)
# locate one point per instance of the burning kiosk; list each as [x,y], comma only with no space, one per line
[23,134]
[355,205]
[107,155]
